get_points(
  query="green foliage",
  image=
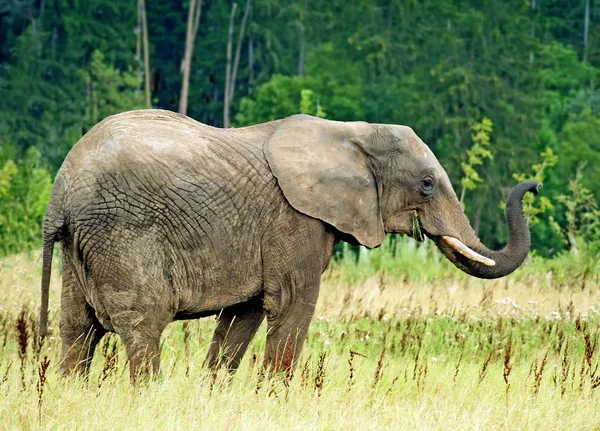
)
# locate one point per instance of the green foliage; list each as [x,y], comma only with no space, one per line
[476,155]
[337,84]
[435,65]
[25,189]
[398,257]
[40,104]
[533,207]
[278,98]
[583,217]
[110,91]
[309,106]
[580,141]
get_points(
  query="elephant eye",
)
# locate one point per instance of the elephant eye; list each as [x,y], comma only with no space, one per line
[427,185]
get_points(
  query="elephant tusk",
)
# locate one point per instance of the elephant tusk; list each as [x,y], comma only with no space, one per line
[458,246]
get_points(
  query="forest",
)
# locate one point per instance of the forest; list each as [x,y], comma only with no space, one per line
[500,90]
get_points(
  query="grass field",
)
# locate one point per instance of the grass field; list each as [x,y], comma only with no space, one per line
[384,352]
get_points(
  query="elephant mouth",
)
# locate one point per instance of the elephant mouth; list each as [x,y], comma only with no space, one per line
[419,233]
[416,230]
[462,249]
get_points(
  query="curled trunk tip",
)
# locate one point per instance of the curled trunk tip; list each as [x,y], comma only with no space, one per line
[471,256]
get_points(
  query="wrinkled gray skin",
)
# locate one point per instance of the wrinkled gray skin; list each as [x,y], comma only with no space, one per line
[161,218]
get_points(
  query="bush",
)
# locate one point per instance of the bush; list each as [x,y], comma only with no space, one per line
[25,189]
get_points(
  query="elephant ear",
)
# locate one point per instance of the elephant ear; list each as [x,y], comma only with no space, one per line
[324,173]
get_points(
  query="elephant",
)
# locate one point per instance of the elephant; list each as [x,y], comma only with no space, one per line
[161,218]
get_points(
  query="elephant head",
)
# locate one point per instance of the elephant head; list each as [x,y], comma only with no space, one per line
[369,179]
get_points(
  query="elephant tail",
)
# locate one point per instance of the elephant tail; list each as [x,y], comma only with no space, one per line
[54,226]
[47,251]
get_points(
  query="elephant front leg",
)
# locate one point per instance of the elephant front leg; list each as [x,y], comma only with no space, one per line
[287,328]
[236,327]
[295,254]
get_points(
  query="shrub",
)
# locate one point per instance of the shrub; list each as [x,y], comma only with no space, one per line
[25,189]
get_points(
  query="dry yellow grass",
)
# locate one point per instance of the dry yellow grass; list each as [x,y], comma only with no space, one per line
[20,279]
[428,376]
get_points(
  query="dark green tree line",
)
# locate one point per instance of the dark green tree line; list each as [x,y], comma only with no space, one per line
[440,67]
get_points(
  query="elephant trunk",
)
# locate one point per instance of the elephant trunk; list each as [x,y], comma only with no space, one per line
[471,256]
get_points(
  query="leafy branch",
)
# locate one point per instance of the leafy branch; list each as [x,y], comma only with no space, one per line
[582,213]
[309,106]
[530,208]
[476,155]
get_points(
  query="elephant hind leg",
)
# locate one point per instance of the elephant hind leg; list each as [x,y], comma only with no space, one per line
[236,326]
[79,329]
[79,344]
[140,332]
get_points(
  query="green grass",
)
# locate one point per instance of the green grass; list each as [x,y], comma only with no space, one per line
[384,351]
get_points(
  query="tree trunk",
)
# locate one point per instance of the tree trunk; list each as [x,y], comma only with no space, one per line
[238,50]
[301,55]
[138,41]
[192,29]
[142,11]
[573,244]
[226,121]
[251,61]
[302,49]
[586,29]
[531,56]
[231,72]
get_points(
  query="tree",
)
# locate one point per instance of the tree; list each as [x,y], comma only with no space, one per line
[434,65]
[25,189]
[231,72]
[579,141]
[582,215]
[110,91]
[278,98]
[41,104]
[475,155]
[195,9]
[144,24]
